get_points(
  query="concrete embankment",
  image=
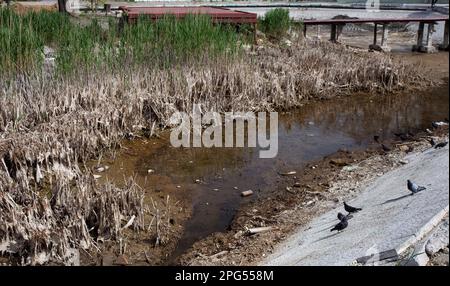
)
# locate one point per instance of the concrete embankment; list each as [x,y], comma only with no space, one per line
[392,220]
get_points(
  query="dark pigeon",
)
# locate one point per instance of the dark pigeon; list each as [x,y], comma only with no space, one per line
[341,216]
[351,209]
[441,145]
[376,138]
[385,148]
[341,225]
[414,188]
[432,142]
[403,136]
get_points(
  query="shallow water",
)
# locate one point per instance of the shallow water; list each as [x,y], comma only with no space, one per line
[310,133]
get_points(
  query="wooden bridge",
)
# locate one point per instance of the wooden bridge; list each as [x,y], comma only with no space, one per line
[218,15]
[421,45]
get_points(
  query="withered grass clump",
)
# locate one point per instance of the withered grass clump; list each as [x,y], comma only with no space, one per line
[38,229]
[49,125]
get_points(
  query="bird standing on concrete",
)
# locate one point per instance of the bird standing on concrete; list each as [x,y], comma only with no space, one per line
[341,225]
[414,188]
[341,216]
[351,209]
[440,145]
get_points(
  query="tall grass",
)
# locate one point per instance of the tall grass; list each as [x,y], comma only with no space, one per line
[275,23]
[164,43]
[20,47]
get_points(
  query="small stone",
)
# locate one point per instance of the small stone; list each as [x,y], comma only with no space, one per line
[97,177]
[297,185]
[290,173]
[121,260]
[247,193]
[100,169]
[438,241]
[404,148]
[149,171]
[350,168]
[309,203]
[403,162]
[339,162]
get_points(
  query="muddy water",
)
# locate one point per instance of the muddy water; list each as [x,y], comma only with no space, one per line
[310,133]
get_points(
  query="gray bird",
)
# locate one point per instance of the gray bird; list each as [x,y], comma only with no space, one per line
[440,145]
[341,216]
[351,209]
[385,148]
[414,188]
[341,225]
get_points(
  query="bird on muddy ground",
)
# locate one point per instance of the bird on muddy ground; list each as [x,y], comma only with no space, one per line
[440,145]
[432,142]
[341,225]
[351,209]
[437,124]
[386,148]
[414,188]
[404,136]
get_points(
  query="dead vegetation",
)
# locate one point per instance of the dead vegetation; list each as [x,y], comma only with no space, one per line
[49,125]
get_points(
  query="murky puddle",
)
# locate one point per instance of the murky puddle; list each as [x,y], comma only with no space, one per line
[310,133]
